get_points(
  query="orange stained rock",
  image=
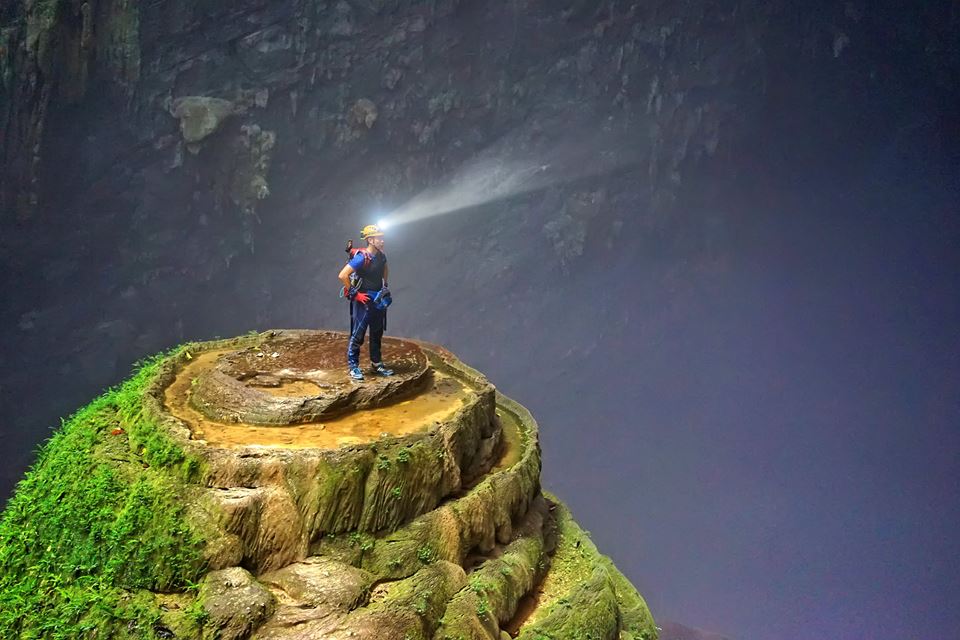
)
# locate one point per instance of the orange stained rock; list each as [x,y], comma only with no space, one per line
[438,402]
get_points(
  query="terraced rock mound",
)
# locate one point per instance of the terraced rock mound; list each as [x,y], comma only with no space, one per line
[246,489]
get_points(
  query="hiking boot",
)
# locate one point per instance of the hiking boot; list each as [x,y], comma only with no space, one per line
[356,374]
[380,369]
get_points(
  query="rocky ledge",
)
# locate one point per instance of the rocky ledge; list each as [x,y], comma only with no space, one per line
[295,377]
[245,488]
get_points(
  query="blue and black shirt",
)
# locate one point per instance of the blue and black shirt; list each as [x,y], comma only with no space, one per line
[369,267]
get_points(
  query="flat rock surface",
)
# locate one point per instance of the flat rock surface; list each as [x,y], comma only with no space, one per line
[319,581]
[294,377]
[439,400]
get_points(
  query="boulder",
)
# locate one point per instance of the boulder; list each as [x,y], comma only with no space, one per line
[200,116]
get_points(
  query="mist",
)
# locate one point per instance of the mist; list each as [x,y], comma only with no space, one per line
[522,162]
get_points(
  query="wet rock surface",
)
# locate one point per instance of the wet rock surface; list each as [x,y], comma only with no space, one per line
[296,377]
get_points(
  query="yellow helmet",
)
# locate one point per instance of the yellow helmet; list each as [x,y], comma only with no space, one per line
[370,231]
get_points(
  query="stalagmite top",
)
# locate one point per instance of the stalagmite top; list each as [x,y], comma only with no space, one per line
[293,377]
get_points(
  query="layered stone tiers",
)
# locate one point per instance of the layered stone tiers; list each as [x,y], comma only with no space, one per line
[393,509]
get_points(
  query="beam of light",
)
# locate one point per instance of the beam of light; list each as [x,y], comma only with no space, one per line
[513,167]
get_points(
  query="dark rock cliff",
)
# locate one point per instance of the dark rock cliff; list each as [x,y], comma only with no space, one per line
[194,124]
[96,90]
[195,133]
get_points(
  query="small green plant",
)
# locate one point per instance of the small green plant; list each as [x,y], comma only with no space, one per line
[483,607]
[404,456]
[383,463]
[396,492]
[426,554]
[480,586]
[197,613]
[421,605]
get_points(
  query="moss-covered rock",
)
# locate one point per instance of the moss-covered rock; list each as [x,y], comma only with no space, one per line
[100,517]
[497,585]
[132,524]
[235,603]
[584,595]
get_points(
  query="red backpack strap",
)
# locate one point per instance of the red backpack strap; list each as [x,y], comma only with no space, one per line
[366,255]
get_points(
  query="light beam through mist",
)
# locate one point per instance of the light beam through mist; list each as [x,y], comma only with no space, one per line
[502,171]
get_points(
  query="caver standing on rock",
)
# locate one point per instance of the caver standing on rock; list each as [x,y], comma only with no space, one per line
[364,279]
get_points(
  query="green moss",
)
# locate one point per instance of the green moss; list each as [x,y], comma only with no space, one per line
[426,593]
[588,612]
[147,437]
[496,587]
[451,531]
[97,520]
[635,616]
[426,554]
[337,490]
[97,541]
[584,596]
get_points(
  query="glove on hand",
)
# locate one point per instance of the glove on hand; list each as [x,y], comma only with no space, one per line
[353,294]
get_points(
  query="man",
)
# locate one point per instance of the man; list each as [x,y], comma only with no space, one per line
[370,266]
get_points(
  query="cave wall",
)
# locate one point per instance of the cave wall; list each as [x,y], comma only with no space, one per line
[163,119]
[185,125]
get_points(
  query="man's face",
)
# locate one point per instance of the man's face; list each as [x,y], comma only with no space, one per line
[377,242]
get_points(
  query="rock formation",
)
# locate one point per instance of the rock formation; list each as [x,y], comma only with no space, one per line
[245,488]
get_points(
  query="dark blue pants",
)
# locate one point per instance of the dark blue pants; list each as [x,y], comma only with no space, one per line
[363,317]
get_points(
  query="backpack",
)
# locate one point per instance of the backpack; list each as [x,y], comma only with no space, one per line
[351,253]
